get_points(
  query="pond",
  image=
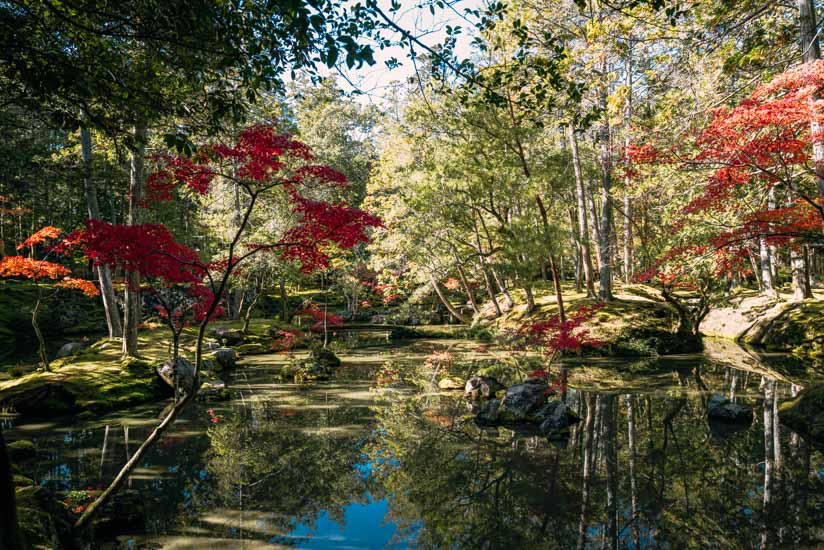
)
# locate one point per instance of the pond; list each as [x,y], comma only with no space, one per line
[348,464]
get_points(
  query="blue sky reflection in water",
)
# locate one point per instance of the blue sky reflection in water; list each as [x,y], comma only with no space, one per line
[364,526]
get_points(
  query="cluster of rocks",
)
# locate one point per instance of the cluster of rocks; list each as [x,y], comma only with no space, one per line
[526,403]
[211,387]
[320,365]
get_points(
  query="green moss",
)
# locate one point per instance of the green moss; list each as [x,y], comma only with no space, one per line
[36,523]
[21,450]
[252,348]
[805,414]
[800,331]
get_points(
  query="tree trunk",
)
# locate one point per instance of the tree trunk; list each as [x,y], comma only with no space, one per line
[767,283]
[132,300]
[469,294]
[556,284]
[530,299]
[604,248]
[445,301]
[583,227]
[284,301]
[10,536]
[508,301]
[489,289]
[247,317]
[811,51]
[104,274]
[41,343]
[628,272]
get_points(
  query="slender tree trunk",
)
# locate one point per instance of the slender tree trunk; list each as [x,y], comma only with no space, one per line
[445,301]
[247,317]
[530,299]
[627,179]
[132,300]
[605,237]
[767,286]
[811,51]
[10,536]
[800,289]
[556,284]
[469,294]
[284,301]
[104,274]
[485,270]
[41,342]
[578,270]
[508,301]
[583,227]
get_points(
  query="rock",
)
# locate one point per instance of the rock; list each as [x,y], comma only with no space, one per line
[555,416]
[21,450]
[67,350]
[211,345]
[325,357]
[489,413]
[377,320]
[482,387]
[722,409]
[184,369]
[214,390]
[225,358]
[229,337]
[805,414]
[311,371]
[252,348]
[450,384]
[522,399]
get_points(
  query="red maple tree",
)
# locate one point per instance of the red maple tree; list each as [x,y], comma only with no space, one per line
[762,144]
[23,267]
[262,164]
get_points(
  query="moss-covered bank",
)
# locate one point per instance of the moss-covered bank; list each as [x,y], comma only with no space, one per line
[805,414]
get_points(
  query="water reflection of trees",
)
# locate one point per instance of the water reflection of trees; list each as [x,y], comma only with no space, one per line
[292,464]
[642,470]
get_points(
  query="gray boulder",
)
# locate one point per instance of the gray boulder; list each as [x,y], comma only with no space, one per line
[482,387]
[721,409]
[489,413]
[183,369]
[225,357]
[67,350]
[312,371]
[325,357]
[523,399]
[211,345]
[228,337]
[555,416]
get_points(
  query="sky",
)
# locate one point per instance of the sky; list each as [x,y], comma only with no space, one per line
[375,82]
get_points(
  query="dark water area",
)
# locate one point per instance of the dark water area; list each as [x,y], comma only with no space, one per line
[346,464]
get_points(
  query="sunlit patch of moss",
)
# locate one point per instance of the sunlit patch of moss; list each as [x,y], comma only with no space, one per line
[805,414]
[800,330]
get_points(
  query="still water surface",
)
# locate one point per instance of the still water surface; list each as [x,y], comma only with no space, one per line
[345,464]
